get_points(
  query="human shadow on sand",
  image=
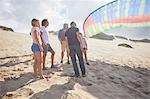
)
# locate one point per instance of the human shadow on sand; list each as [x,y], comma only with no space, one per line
[103,81]
[16,83]
[13,63]
[2,58]
[15,60]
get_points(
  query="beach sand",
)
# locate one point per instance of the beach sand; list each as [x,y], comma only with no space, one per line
[115,72]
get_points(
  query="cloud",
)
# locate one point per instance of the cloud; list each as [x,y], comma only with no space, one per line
[18,13]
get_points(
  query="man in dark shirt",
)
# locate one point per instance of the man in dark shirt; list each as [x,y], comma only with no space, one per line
[73,39]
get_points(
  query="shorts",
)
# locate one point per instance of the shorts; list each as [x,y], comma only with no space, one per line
[64,46]
[48,48]
[35,48]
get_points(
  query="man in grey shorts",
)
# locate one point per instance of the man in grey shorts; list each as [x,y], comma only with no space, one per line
[45,44]
[73,40]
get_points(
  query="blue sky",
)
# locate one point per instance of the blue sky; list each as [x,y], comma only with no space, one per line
[18,13]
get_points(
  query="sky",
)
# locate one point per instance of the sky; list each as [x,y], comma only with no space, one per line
[18,14]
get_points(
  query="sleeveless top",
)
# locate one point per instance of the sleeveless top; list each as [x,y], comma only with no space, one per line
[37,33]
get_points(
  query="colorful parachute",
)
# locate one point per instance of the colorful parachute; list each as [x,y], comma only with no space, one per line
[119,13]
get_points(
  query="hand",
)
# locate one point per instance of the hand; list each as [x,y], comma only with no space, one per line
[41,49]
[85,48]
[81,48]
[44,45]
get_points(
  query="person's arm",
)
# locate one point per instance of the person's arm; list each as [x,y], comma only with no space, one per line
[42,40]
[59,35]
[67,42]
[79,36]
[37,40]
[86,42]
[66,38]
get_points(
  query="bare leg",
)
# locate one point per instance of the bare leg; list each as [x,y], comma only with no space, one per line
[39,63]
[68,57]
[35,65]
[33,57]
[52,58]
[86,60]
[44,57]
[68,52]
[62,56]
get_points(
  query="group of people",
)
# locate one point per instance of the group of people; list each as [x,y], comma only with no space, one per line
[72,41]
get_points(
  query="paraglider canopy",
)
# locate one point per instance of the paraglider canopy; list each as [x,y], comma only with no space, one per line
[119,13]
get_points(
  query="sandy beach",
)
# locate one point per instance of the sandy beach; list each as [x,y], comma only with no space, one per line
[115,72]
